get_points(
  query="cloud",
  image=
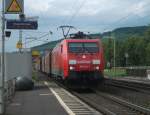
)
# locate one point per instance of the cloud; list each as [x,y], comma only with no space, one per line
[87,15]
[87,11]
[92,14]
[102,9]
[36,6]
[140,9]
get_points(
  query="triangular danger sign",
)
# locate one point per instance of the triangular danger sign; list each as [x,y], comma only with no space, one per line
[14,7]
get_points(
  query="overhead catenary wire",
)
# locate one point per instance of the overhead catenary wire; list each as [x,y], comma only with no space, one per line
[37,38]
[128,15]
[70,20]
[112,34]
[77,11]
[27,34]
[82,5]
[41,40]
[73,17]
[73,6]
[42,32]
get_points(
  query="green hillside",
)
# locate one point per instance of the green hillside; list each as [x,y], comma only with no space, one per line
[119,33]
[126,32]
[123,33]
[47,46]
[132,46]
[131,41]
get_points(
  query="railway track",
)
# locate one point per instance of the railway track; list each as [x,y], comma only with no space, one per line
[108,104]
[131,94]
[131,106]
[136,79]
[111,105]
[138,87]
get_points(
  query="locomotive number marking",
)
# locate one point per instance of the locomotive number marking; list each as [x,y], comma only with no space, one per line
[83,62]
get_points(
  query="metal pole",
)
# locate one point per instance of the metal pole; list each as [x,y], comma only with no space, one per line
[20,39]
[114,52]
[114,55]
[2,104]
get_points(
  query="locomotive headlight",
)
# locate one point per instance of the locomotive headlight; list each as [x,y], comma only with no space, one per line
[96,62]
[72,62]
[71,68]
[97,68]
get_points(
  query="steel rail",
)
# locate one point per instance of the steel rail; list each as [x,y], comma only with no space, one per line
[140,87]
[105,110]
[132,106]
[96,106]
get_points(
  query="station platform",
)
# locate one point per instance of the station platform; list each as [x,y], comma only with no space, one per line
[39,101]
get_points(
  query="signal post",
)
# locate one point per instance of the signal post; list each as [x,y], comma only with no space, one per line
[8,7]
[2,78]
[11,7]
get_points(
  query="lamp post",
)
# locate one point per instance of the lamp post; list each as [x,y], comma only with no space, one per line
[114,50]
[114,55]
[2,80]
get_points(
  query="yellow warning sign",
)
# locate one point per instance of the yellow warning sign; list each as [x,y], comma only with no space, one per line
[35,53]
[19,45]
[14,7]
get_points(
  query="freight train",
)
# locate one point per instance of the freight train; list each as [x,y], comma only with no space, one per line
[75,60]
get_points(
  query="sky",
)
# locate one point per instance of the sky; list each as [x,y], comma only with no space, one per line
[94,16]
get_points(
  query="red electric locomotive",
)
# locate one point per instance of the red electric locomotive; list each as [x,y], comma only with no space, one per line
[47,62]
[78,60]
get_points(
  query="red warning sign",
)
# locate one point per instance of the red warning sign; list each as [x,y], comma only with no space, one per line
[14,7]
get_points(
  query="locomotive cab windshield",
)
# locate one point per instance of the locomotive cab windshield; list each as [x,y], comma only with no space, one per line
[83,47]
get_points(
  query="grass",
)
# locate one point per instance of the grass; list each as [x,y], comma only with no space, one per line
[115,72]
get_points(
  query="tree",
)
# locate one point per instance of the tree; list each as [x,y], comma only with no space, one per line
[135,46]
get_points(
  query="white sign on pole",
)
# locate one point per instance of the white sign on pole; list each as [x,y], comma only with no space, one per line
[14,6]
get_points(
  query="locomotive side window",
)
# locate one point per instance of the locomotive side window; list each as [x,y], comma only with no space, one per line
[82,47]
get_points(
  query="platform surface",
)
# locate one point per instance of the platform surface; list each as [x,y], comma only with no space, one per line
[39,101]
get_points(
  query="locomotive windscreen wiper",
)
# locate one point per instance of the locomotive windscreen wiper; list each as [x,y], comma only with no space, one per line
[86,49]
